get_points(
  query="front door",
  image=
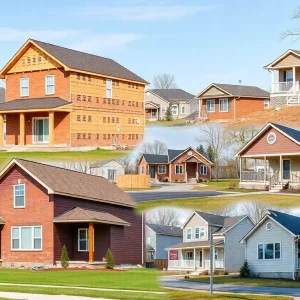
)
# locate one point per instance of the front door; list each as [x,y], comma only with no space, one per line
[40,130]
[201,258]
[153,114]
[286,169]
[152,171]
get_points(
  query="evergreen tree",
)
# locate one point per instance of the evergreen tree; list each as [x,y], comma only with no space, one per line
[210,153]
[245,270]
[168,114]
[201,149]
[64,258]
[110,263]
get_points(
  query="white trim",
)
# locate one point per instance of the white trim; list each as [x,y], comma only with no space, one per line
[165,172]
[187,229]
[203,173]
[210,86]
[269,66]
[275,137]
[23,184]
[34,136]
[224,99]
[269,223]
[20,238]
[177,109]
[21,94]
[78,239]
[49,75]
[271,259]
[179,165]
[107,89]
[157,96]
[206,105]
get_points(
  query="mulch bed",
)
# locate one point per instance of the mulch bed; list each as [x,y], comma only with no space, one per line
[291,191]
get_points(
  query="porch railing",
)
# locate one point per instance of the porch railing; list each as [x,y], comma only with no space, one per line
[295,178]
[284,87]
[219,264]
[254,176]
[190,264]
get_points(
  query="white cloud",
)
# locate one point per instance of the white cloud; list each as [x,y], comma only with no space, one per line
[137,13]
[14,35]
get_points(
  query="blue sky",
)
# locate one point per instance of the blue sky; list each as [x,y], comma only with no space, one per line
[199,42]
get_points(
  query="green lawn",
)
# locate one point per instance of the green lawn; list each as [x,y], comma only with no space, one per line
[94,155]
[166,123]
[184,295]
[248,281]
[215,203]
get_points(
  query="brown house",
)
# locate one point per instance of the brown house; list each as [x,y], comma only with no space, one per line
[65,98]
[271,159]
[176,166]
[230,102]
[43,208]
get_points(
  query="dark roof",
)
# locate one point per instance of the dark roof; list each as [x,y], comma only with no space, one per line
[88,62]
[173,94]
[2,95]
[150,248]
[77,184]
[197,244]
[166,230]
[33,103]
[192,116]
[174,153]
[243,90]
[293,133]
[291,223]
[156,158]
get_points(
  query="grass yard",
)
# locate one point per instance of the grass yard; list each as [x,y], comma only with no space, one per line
[183,295]
[93,155]
[283,283]
[166,123]
[214,203]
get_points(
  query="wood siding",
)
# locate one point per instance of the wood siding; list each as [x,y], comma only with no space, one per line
[213,91]
[289,60]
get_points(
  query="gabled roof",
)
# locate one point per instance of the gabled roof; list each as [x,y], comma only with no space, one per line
[104,162]
[70,183]
[270,65]
[290,133]
[152,104]
[80,61]
[173,153]
[166,230]
[2,95]
[173,94]
[156,158]
[238,90]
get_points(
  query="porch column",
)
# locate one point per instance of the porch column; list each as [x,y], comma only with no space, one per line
[294,78]
[22,129]
[170,172]
[91,242]
[280,169]
[51,128]
[265,170]
[1,129]
[255,170]
[185,172]
[272,80]
[197,172]
[195,258]
[181,258]
[240,169]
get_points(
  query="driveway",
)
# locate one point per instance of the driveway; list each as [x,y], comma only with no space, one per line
[173,283]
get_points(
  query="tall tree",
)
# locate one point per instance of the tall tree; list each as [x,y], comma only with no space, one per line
[293,32]
[210,153]
[200,149]
[163,216]
[168,114]
[155,147]
[164,81]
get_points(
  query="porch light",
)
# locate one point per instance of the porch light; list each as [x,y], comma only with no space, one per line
[29,120]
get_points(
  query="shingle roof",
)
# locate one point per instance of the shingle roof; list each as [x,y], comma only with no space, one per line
[88,62]
[192,116]
[174,153]
[293,133]
[2,95]
[197,244]
[150,248]
[104,162]
[76,184]
[243,90]
[292,223]
[166,230]
[156,158]
[173,94]
[78,214]
[34,103]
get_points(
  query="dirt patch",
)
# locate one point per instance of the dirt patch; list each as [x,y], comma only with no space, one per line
[290,191]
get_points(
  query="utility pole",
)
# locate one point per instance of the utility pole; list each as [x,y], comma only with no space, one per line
[211,254]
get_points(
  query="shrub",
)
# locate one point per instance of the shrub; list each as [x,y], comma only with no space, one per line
[110,263]
[64,258]
[232,186]
[168,114]
[245,270]
[205,273]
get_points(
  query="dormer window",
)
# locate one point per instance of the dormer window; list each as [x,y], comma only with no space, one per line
[19,196]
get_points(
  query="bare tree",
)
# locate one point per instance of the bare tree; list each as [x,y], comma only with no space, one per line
[164,81]
[293,32]
[225,211]
[155,147]
[214,136]
[130,165]
[163,216]
[79,166]
[255,210]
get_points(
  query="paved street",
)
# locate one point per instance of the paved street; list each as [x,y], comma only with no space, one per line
[172,282]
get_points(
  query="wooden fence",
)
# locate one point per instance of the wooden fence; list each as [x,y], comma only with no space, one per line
[159,264]
[132,181]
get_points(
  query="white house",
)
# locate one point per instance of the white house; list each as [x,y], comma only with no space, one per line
[273,246]
[108,169]
[194,252]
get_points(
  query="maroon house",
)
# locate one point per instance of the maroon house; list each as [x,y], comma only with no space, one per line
[44,207]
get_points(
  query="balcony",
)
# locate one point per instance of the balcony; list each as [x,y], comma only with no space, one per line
[285,87]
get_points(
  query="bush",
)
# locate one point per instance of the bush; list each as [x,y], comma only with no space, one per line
[232,186]
[110,263]
[64,258]
[245,270]
[168,114]
[205,273]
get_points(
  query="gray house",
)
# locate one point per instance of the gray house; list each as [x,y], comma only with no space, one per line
[158,100]
[159,237]
[108,169]
[273,246]
[194,252]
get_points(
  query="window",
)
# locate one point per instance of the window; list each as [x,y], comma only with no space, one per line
[189,234]
[189,255]
[26,238]
[174,110]
[203,170]
[269,226]
[210,105]
[108,88]
[182,109]
[161,169]
[271,138]
[269,251]
[179,169]
[266,103]
[19,195]
[164,108]
[24,85]
[50,89]
[197,233]
[143,170]
[216,254]
[202,232]
[224,105]
[83,240]
[288,76]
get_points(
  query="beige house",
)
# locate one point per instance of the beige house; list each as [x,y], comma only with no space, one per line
[285,77]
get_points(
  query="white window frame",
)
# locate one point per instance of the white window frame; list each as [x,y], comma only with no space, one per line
[203,169]
[175,106]
[264,245]
[191,256]
[182,171]
[266,103]
[216,254]
[46,85]
[225,103]
[197,238]
[187,233]
[211,101]
[21,184]
[21,86]
[164,108]
[183,110]
[202,230]
[109,88]
[161,166]
[20,238]
[87,239]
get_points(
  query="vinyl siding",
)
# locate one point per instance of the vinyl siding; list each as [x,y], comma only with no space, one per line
[164,241]
[195,221]
[150,235]
[153,98]
[112,165]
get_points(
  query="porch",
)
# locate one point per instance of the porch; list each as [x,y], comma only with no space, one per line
[152,111]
